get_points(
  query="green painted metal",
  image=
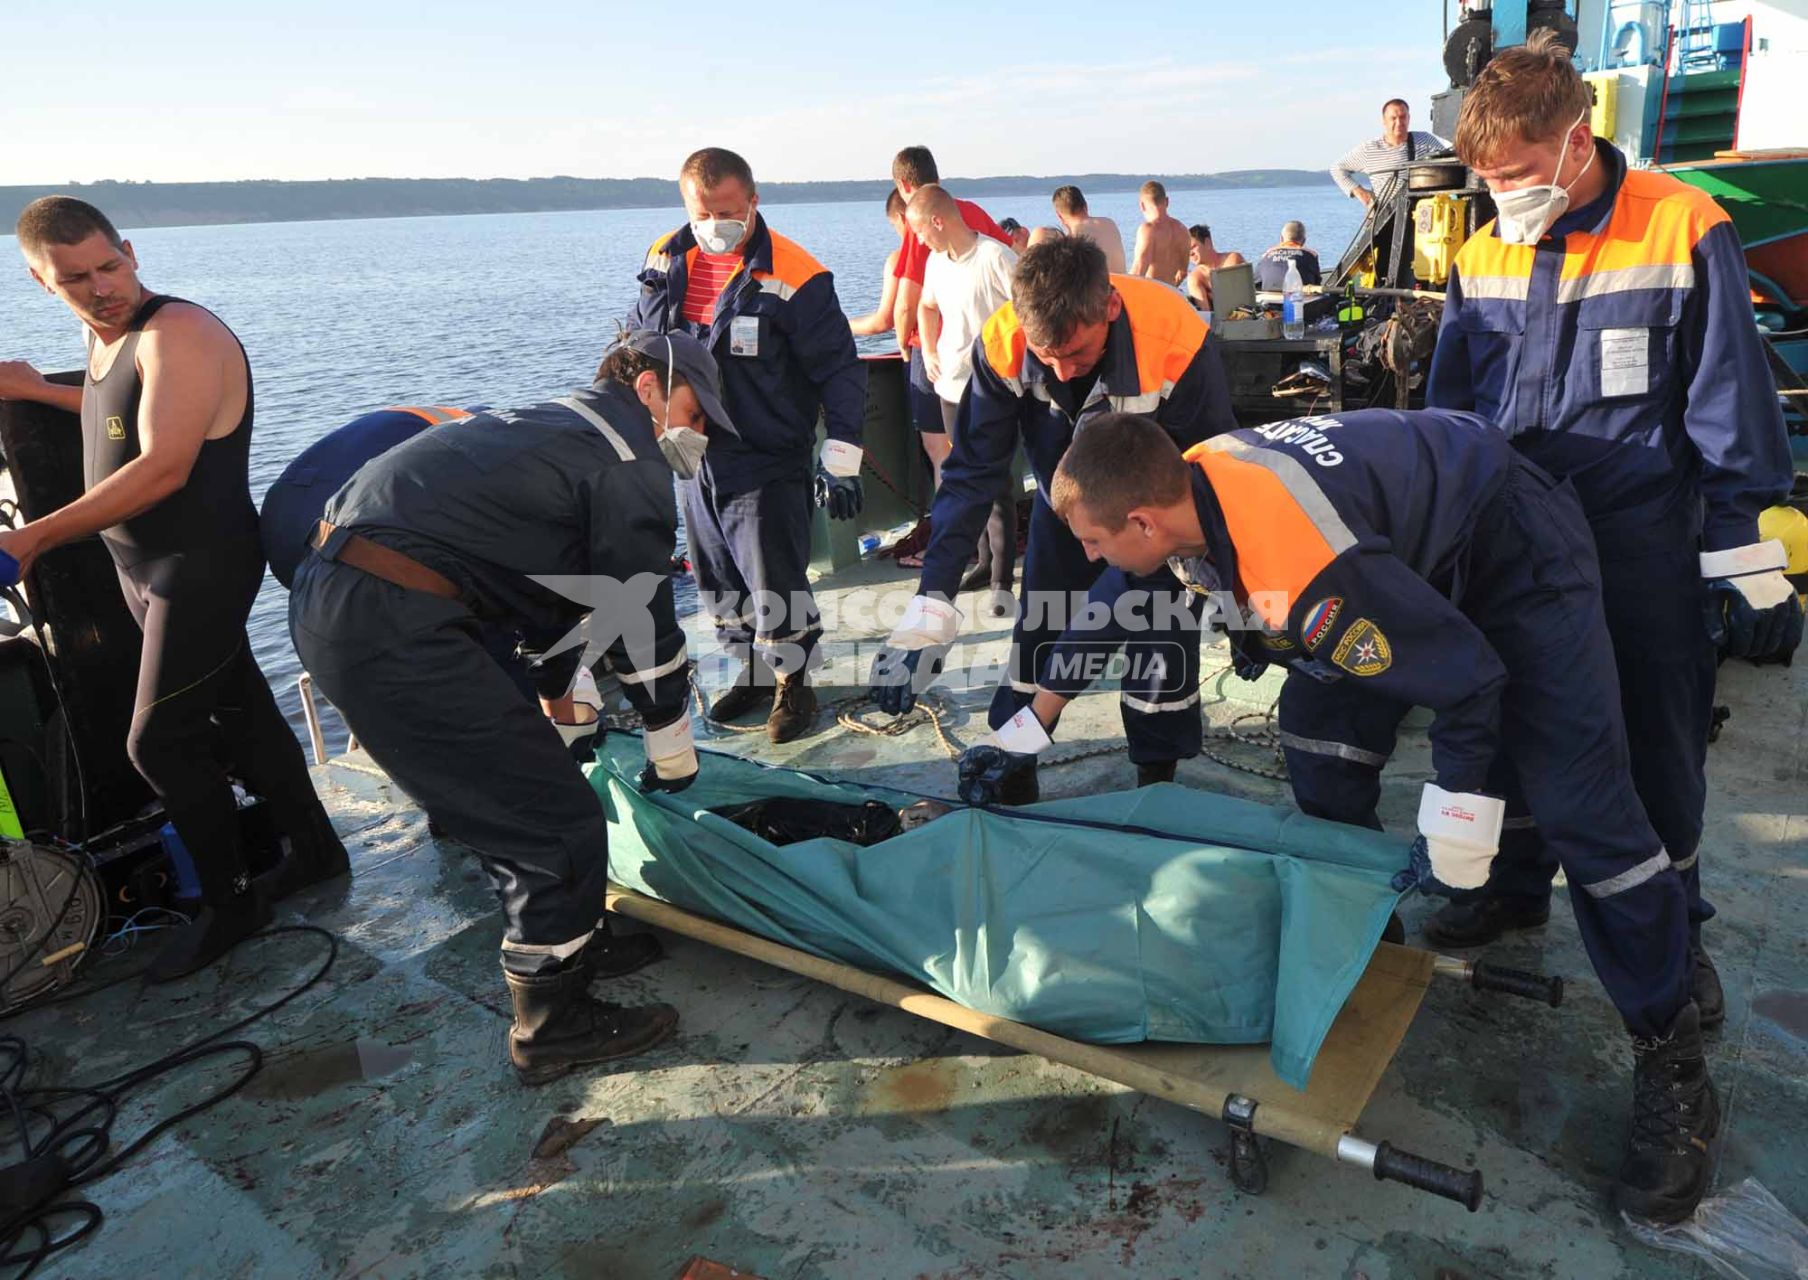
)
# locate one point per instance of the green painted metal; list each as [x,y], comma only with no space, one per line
[1766,199]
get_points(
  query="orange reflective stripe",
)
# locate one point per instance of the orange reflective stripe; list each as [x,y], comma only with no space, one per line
[1648,243]
[791,264]
[1164,328]
[1280,546]
[432,416]
[657,257]
[1004,342]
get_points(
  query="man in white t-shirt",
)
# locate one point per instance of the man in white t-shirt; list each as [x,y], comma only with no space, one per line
[967,278]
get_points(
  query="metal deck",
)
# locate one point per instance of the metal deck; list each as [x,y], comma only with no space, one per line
[800,1133]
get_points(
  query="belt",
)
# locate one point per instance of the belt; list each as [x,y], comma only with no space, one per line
[386,563]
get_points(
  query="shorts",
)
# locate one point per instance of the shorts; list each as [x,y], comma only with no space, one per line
[925,405]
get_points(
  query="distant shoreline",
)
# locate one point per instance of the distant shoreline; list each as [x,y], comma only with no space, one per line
[178,204]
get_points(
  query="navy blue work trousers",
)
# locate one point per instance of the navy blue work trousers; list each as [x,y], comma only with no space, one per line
[750,553]
[1159,668]
[1565,766]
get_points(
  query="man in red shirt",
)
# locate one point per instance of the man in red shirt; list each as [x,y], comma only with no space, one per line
[911,168]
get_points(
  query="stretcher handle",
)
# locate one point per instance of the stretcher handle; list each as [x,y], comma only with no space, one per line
[1461,1185]
[1489,976]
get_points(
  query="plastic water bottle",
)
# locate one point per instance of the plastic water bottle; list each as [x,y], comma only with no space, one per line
[869,543]
[1293,303]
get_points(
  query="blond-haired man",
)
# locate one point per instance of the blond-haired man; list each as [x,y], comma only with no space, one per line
[1603,322]
[1162,243]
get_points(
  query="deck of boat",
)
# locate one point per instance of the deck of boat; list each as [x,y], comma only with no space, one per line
[798,1133]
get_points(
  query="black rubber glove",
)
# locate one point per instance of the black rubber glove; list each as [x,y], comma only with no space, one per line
[1419,875]
[651,781]
[984,769]
[841,495]
[1744,631]
[899,675]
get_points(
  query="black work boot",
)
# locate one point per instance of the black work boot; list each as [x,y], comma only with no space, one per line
[613,955]
[558,1027]
[1477,921]
[1152,772]
[1675,1115]
[1710,996]
[744,695]
[793,710]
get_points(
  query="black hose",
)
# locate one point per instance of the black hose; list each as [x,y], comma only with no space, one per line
[64,1135]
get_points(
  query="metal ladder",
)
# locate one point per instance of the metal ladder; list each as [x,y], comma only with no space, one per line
[1695,37]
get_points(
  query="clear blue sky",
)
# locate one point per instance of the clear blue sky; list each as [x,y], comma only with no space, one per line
[203,90]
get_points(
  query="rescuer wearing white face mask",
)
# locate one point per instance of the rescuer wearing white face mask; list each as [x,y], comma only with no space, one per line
[554,520]
[1603,321]
[767,312]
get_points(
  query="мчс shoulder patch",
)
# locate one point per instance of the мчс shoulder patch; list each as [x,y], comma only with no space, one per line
[1363,651]
[1319,619]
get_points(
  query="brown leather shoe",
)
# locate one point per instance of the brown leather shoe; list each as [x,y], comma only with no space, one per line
[793,710]
[743,696]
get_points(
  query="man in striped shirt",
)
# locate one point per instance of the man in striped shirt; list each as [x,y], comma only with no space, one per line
[1386,158]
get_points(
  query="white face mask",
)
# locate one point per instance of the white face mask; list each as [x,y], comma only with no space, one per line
[721,235]
[1523,216]
[682,448]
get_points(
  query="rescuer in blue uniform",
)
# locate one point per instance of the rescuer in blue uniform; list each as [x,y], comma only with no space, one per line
[295,501]
[1416,559]
[533,518]
[1603,323]
[1074,343]
[768,313]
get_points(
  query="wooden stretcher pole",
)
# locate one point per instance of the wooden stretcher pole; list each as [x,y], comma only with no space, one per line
[1272,1119]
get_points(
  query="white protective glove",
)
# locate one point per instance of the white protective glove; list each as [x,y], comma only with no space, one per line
[913,656]
[577,735]
[671,756]
[1752,609]
[1461,831]
[839,458]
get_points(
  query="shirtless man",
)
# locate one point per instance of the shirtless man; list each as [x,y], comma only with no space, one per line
[166,417]
[1205,259]
[1070,209]
[1161,242]
[881,319]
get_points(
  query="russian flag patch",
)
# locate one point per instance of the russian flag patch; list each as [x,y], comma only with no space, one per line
[1319,620]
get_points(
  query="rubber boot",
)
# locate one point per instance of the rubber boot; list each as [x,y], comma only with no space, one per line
[312,853]
[558,1027]
[1710,996]
[1675,1115]
[1154,771]
[793,710]
[1477,921]
[743,696]
[231,910]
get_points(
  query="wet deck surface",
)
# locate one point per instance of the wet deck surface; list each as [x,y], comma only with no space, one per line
[799,1133]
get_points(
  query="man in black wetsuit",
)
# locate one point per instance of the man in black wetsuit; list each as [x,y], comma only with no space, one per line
[166,435]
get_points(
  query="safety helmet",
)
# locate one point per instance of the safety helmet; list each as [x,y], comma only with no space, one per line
[1790,527]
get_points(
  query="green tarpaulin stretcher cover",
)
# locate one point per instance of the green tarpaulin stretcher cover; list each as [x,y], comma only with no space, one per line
[1163,913]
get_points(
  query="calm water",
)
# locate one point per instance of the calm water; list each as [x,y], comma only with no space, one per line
[340,318]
